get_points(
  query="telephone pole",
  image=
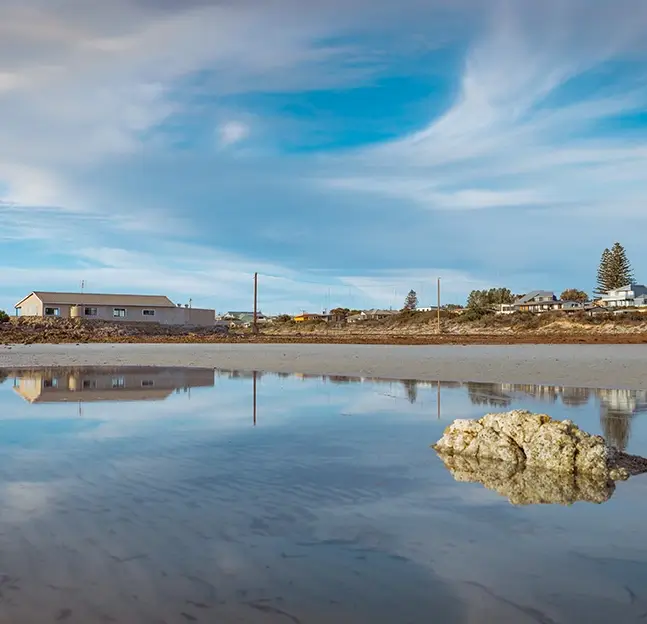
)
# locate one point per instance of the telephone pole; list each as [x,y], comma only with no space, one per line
[255,324]
[438,303]
[254,398]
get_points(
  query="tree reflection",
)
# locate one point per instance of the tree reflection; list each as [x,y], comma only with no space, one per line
[411,388]
[616,426]
[489,394]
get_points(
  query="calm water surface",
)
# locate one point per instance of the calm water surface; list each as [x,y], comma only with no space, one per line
[174,496]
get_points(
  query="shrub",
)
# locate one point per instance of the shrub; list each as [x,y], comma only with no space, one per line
[4,317]
[474,314]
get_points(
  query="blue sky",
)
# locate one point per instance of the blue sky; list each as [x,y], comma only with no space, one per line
[347,151]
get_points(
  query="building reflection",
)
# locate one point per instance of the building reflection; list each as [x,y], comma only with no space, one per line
[57,385]
[617,407]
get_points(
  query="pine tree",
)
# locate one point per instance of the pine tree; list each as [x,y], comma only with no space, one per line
[411,302]
[622,272]
[614,271]
[603,273]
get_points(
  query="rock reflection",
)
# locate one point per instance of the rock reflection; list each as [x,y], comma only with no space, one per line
[527,486]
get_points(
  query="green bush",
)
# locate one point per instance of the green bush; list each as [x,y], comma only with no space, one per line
[4,317]
[474,314]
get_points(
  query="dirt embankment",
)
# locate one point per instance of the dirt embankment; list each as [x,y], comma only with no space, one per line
[419,329]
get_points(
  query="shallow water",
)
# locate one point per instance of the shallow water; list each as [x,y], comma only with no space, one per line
[168,495]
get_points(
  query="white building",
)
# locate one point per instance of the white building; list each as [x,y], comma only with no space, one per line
[631,296]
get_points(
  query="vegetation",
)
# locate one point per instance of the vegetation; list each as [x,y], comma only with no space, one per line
[4,317]
[344,313]
[614,271]
[573,294]
[411,302]
[487,299]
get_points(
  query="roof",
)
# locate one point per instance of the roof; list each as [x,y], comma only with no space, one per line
[152,301]
[377,311]
[535,293]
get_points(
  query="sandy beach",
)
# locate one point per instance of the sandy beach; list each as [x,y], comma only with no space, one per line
[596,366]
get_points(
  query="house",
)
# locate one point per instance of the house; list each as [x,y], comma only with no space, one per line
[536,301]
[630,296]
[504,308]
[244,318]
[308,316]
[372,315]
[544,301]
[108,307]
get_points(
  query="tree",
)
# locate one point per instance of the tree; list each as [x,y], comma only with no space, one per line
[411,302]
[604,273]
[573,294]
[621,267]
[4,317]
[614,271]
[487,299]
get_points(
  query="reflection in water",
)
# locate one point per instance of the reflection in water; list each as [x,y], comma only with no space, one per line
[411,388]
[617,407]
[525,486]
[128,383]
[489,394]
[178,512]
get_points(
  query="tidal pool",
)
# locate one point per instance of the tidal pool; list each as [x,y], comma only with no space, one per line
[169,495]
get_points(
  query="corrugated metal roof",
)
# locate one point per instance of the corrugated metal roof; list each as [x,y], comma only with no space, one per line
[153,301]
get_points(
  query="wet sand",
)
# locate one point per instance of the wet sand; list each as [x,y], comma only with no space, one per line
[595,366]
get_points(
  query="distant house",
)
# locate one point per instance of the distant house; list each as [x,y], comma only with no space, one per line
[308,316]
[109,307]
[373,314]
[544,301]
[244,318]
[504,308]
[536,301]
[630,296]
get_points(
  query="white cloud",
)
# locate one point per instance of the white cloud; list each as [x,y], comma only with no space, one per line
[233,132]
[501,143]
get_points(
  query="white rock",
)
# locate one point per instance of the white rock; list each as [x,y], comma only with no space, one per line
[537,442]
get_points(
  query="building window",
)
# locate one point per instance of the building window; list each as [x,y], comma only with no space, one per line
[148,312]
[118,382]
[90,312]
[119,312]
[147,383]
[50,383]
[89,384]
[52,311]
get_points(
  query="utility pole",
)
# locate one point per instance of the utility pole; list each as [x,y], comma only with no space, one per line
[438,302]
[254,399]
[255,325]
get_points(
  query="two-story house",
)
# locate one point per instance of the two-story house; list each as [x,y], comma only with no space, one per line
[544,301]
[630,296]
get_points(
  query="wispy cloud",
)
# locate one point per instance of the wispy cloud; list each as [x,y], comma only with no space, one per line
[129,126]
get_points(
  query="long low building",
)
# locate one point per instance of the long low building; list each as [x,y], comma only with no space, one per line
[119,308]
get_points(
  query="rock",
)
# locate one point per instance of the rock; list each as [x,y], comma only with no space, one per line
[538,442]
[522,485]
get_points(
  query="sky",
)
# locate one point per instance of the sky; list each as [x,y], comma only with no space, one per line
[347,151]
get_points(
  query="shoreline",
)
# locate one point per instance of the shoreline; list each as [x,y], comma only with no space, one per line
[594,366]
